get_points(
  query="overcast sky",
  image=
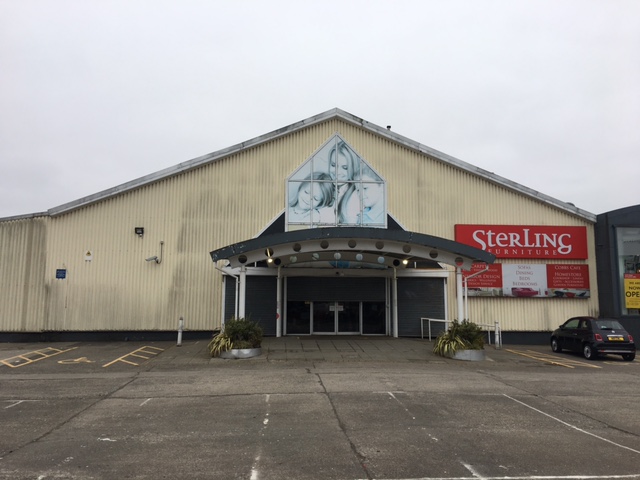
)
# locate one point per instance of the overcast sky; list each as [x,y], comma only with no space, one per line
[97,93]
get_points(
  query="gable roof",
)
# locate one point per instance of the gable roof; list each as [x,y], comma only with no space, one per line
[322,117]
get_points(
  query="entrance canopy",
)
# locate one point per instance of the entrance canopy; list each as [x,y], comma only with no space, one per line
[350,247]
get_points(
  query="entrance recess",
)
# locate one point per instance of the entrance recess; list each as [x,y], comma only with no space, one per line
[336,317]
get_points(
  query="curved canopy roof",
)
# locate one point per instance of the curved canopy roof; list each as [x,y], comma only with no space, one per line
[374,246]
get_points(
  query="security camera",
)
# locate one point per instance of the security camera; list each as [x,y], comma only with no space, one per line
[152,259]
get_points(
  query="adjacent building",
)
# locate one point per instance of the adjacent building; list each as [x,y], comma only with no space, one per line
[618,264]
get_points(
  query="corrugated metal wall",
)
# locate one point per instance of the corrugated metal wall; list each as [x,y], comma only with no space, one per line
[23,253]
[110,286]
[429,196]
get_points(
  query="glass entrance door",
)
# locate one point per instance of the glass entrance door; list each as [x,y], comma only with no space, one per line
[324,317]
[336,317]
[348,316]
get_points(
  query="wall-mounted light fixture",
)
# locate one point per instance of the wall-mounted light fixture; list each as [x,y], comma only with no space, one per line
[139,231]
[155,258]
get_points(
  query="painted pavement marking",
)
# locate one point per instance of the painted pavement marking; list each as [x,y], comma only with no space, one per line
[32,357]
[71,361]
[552,359]
[528,477]
[573,426]
[17,402]
[145,352]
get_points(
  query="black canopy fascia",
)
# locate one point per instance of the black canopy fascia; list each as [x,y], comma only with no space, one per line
[382,247]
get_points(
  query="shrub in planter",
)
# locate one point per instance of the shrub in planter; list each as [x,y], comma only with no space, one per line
[238,333]
[460,336]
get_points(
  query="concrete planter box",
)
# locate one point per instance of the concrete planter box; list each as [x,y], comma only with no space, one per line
[241,353]
[470,355]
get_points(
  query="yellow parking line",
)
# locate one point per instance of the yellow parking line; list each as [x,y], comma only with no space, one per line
[567,361]
[25,359]
[543,357]
[135,353]
[75,360]
[536,358]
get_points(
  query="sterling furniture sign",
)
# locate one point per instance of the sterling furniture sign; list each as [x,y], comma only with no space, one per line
[523,241]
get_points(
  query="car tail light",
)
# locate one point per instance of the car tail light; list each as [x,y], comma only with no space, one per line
[598,337]
[630,338]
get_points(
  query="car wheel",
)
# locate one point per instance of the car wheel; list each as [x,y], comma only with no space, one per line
[588,352]
[629,356]
[555,346]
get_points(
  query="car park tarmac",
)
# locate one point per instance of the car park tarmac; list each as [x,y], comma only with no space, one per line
[314,408]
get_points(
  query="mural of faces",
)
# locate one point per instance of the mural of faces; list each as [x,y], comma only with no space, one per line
[335,187]
[343,163]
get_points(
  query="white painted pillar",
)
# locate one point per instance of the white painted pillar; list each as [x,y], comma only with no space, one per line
[243,292]
[394,302]
[279,304]
[459,294]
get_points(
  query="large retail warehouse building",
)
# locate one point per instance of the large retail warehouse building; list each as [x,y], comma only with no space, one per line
[330,226]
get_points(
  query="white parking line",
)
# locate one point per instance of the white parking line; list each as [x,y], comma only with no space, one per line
[575,428]
[255,473]
[400,403]
[18,402]
[527,477]
[473,471]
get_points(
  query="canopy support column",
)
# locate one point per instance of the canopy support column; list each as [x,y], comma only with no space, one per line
[243,292]
[459,295]
[279,303]
[394,303]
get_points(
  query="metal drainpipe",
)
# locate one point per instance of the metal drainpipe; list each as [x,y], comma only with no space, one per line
[466,291]
[235,304]
[279,304]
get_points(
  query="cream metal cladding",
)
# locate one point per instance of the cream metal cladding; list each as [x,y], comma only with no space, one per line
[22,272]
[222,198]
[234,194]
[430,196]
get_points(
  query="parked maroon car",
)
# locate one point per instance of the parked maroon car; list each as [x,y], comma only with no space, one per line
[592,337]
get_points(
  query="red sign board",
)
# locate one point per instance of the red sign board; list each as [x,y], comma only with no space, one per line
[528,280]
[568,276]
[526,241]
[491,278]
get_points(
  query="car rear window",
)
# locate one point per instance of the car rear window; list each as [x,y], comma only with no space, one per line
[609,325]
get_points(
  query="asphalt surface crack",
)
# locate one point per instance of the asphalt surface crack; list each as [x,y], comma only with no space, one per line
[362,459]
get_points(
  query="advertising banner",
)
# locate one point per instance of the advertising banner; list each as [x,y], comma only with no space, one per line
[530,281]
[522,241]
[632,290]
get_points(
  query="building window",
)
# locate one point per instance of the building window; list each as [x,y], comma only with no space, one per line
[629,268]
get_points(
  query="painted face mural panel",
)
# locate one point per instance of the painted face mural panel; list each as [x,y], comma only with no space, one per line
[335,187]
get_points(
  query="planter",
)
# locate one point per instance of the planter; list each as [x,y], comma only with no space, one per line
[241,353]
[469,355]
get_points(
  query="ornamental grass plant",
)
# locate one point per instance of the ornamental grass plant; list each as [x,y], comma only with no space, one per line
[463,335]
[237,333]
